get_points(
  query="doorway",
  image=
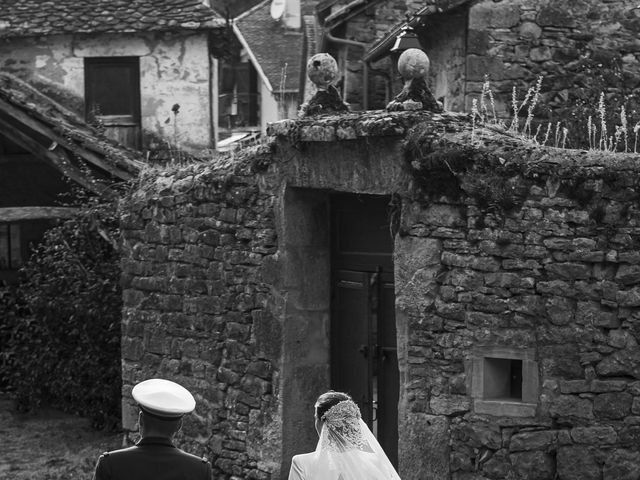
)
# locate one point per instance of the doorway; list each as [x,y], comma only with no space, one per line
[363,356]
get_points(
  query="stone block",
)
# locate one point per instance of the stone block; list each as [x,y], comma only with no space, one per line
[629,434]
[574,386]
[612,406]
[577,463]
[423,449]
[621,363]
[534,465]
[479,67]
[449,404]
[483,435]
[540,54]
[530,31]
[594,435]
[569,271]
[628,274]
[497,466]
[560,310]
[629,298]
[477,42]
[487,15]
[571,407]
[541,440]
[592,313]
[621,464]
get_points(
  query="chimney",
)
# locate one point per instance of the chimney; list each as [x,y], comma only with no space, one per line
[292,17]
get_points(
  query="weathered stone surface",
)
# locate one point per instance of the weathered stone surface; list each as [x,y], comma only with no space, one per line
[629,434]
[629,298]
[594,435]
[503,15]
[621,363]
[569,406]
[533,441]
[424,450]
[577,463]
[621,465]
[449,404]
[628,274]
[561,311]
[534,465]
[612,405]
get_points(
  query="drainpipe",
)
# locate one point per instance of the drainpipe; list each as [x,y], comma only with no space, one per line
[365,66]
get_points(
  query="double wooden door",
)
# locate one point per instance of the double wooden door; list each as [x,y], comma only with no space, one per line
[364,359]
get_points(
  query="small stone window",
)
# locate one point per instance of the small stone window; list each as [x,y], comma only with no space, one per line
[504,381]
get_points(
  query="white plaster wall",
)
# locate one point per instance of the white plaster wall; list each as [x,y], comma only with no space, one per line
[174,68]
[268,106]
[273,109]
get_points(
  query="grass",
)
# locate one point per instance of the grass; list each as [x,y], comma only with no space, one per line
[483,113]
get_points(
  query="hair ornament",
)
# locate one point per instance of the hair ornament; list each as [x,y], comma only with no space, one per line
[341,411]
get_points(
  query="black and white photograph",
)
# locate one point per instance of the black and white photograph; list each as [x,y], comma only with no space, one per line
[319,240]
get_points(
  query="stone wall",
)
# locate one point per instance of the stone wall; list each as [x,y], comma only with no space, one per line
[198,243]
[580,49]
[539,254]
[505,254]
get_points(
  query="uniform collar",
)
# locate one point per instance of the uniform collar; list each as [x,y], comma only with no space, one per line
[155,441]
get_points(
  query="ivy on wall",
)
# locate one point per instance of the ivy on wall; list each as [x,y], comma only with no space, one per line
[61,329]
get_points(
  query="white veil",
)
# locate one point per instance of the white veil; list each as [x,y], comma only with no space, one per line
[347,450]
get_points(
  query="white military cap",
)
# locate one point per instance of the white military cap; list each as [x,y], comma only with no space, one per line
[163,398]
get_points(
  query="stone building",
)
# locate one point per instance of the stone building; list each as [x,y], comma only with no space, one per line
[138,72]
[45,152]
[477,295]
[143,70]
[581,49]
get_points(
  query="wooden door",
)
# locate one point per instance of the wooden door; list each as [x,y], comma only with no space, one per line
[363,332]
[112,97]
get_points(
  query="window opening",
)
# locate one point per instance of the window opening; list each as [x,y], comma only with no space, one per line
[503,379]
[10,254]
[239,98]
[112,97]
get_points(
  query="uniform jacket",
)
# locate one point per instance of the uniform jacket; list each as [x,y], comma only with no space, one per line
[152,459]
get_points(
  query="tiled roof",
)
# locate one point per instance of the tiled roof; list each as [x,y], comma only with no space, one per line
[273,47]
[19,18]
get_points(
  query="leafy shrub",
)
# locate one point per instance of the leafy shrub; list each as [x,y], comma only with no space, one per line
[62,345]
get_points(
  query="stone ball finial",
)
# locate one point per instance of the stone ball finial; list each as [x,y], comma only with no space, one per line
[413,63]
[322,70]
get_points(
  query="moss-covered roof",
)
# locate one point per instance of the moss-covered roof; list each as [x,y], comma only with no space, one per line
[58,136]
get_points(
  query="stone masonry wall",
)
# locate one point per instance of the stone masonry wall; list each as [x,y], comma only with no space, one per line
[580,48]
[507,247]
[198,242]
[503,250]
[537,251]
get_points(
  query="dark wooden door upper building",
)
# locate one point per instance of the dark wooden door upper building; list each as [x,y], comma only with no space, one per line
[364,359]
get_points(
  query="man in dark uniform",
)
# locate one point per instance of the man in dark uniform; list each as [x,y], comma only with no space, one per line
[162,406]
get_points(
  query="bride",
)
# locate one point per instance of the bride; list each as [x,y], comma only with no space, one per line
[346,450]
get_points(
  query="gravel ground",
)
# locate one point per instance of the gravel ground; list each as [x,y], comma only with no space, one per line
[49,445]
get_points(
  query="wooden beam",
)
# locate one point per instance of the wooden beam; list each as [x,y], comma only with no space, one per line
[18,214]
[50,133]
[60,162]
